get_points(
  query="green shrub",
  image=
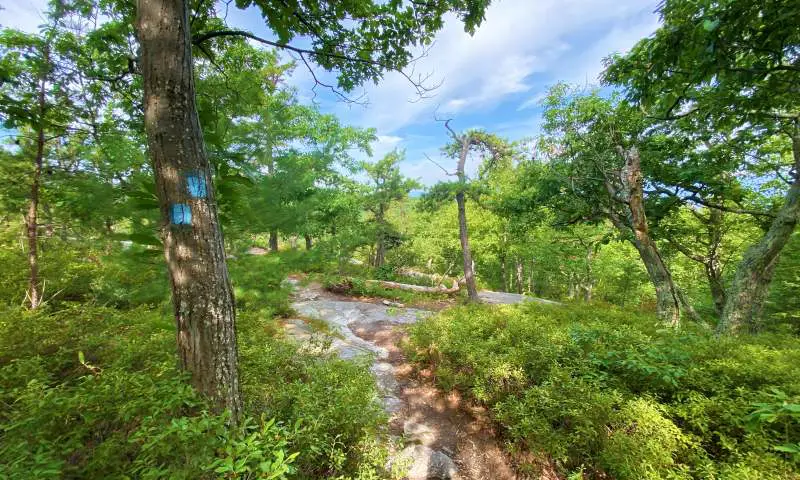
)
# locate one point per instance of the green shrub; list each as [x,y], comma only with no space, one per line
[643,443]
[89,391]
[612,391]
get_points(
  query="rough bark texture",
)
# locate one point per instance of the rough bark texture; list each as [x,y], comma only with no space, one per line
[32,217]
[667,297]
[754,274]
[201,290]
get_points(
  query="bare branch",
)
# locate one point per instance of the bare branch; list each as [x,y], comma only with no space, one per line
[360,100]
[438,165]
[417,83]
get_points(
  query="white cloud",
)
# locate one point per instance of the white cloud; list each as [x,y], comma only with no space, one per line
[25,15]
[532,102]
[521,44]
[389,140]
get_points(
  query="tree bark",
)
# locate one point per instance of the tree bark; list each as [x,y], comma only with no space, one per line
[667,297]
[309,242]
[751,284]
[469,273]
[273,241]
[519,277]
[466,253]
[32,217]
[202,296]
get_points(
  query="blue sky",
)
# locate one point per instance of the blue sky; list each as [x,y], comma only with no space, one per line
[492,80]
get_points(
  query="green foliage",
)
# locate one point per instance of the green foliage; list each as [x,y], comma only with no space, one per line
[610,390]
[380,36]
[94,391]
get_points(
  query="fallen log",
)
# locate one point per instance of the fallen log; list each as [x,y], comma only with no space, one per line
[436,279]
[415,288]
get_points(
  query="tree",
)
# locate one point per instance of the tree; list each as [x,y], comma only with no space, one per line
[361,40]
[34,100]
[388,185]
[597,166]
[462,145]
[735,67]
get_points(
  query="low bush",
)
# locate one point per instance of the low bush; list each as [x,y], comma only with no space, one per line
[609,392]
[93,391]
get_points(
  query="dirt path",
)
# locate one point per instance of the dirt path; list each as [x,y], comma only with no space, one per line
[441,435]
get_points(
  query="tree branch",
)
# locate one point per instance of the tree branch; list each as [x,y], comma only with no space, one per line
[418,84]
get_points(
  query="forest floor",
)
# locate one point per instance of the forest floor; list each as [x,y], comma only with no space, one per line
[436,434]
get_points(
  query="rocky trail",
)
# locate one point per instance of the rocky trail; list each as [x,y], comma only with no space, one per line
[439,435]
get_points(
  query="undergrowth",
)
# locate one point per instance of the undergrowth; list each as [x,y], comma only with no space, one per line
[92,389]
[606,392]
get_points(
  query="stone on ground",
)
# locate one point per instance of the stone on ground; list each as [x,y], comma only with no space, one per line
[419,432]
[424,463]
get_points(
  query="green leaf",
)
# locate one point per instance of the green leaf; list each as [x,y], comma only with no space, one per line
[710,25]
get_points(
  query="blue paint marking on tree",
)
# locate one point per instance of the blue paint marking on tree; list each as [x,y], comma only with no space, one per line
[196,185]
[181,214]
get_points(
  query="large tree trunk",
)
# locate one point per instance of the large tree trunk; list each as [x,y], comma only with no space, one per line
[201,290]
[667,297]
[309,242]
[273,241]
[754,274]
[31,219]
[469,272]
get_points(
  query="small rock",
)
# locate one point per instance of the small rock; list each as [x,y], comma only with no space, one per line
[393,304]
[391,404]
[384,375]
[419,432]
[424,463]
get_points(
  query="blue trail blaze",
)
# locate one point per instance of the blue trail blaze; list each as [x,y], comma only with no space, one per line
[196,185]
[181,214]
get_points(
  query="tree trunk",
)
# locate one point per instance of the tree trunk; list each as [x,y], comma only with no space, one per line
[380,253]
[530,279]
[273,241]
[201,290]
[309,242]
[588,287]
[519,277]
[504,279]
[715,283]
[667,298]
[754,274]
[31,219]
[469,272]
[380,240]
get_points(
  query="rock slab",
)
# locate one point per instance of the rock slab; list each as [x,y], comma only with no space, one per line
[424,463]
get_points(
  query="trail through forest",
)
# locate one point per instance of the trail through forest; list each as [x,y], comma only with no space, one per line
[438,435]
